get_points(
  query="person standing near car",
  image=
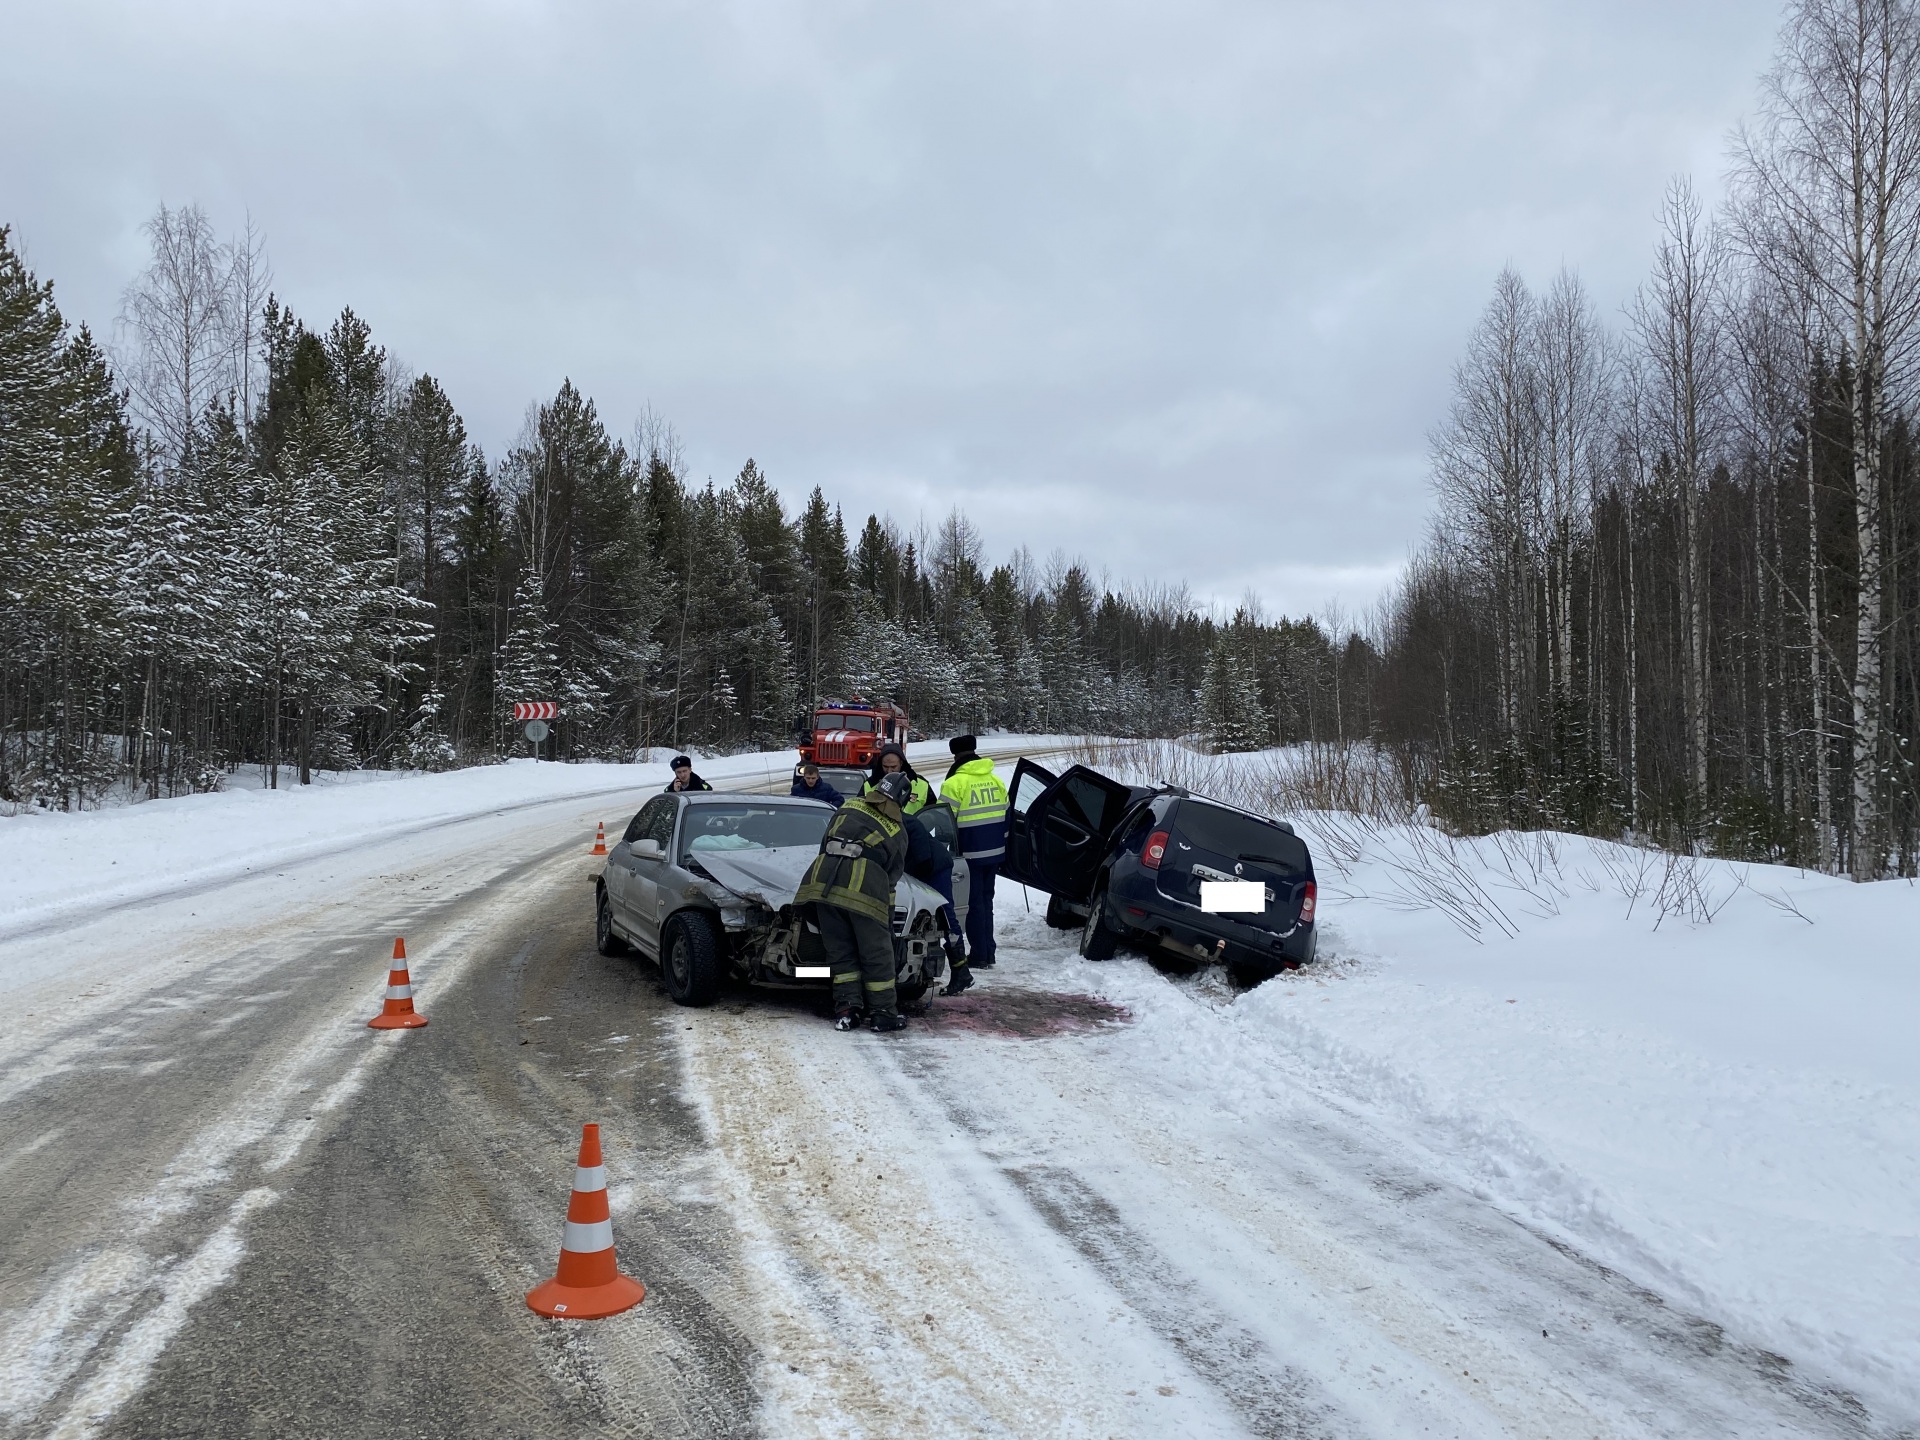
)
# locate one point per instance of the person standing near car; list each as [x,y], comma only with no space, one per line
[979,803]
[849,890]
[890,759]
[684,778]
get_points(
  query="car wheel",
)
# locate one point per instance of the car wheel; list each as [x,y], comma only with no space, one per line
[604,940]
[690,961]
[1059,916]
[1097,940]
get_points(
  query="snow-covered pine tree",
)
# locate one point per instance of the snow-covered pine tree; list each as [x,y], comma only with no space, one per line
[1232,717]
[529,664]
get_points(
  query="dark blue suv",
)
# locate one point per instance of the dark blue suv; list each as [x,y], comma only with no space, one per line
[1161,867]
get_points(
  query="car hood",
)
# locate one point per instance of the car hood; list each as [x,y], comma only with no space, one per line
[770,877]
[767,876]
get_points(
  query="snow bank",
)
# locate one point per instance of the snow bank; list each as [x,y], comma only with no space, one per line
[1703,1074]
[55,866]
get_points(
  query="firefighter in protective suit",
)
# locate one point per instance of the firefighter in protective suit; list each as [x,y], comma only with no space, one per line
[850,889]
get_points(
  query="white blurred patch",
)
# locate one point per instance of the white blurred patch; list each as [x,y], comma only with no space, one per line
[1233,897]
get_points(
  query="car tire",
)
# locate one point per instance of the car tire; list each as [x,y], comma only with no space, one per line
[690,961]
[1097,940]
[1060,916]
[604,938]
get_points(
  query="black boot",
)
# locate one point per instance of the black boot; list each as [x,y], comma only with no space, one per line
[962,979]
[885,1021]
[847,1019]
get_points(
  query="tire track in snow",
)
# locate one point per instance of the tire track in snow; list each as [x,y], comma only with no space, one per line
[1277,1401]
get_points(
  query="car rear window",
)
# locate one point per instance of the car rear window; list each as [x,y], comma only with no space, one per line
[1240,837]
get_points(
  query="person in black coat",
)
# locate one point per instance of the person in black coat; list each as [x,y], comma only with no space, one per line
[808,785]
[684,778]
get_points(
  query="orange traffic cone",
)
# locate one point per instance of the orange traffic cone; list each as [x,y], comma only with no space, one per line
[398,1012]
[588,1286]
[600,840]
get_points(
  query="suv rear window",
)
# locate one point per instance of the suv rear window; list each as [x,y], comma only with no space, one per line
[1240,837]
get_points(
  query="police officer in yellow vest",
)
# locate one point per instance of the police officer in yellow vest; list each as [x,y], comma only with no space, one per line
[850,889]
[979,803]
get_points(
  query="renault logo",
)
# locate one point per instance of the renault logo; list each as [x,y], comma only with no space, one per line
[1239,869]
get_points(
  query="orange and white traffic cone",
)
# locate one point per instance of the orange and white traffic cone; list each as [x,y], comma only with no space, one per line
[398,1012]
[600,840]
[589,1286]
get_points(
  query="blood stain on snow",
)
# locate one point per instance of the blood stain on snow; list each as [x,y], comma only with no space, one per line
[1026,1014]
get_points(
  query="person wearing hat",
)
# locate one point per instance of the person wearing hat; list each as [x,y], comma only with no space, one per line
[848,893]
[684,778]
[979,803]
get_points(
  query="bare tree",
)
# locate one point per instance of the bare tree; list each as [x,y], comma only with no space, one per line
[249,282]
[1487,469]
[177,316]
[1836,158]
[1676,319]
[1575,372]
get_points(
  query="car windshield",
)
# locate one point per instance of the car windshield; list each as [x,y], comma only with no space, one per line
[869,723]
[747,826]
[1238,837]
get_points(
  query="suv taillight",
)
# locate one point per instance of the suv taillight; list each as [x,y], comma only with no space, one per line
[1307,902]
[1156,850]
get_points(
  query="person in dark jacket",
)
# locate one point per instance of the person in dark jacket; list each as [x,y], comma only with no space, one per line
[849,892]
[929,860]
[809,786]
[684,778]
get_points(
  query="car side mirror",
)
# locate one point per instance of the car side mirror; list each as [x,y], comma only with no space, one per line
[648,849]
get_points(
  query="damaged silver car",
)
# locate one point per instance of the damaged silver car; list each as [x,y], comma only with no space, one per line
[704,882]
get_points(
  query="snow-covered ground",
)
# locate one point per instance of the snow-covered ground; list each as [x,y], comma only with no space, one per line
[1703,1074]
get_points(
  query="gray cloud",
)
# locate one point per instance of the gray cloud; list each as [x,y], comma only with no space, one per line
[1175,287]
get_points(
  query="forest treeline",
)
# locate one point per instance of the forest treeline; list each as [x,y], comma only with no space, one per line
[264,543]
[1670,591]
[1671,586]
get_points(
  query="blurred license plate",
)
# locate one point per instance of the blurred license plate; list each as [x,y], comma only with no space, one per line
[813,972]
[1233,897]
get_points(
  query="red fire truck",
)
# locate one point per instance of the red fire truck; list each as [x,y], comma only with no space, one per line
[846,733]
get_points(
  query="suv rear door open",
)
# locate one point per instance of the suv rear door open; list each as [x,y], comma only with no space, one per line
[1060,830]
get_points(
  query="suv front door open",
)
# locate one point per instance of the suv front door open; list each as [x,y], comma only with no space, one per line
[1030,782]
[1068,829]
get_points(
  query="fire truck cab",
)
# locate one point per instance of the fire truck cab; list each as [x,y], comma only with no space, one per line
[846,733]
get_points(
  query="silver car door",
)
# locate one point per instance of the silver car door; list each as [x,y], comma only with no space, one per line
[619,873]
[649,876]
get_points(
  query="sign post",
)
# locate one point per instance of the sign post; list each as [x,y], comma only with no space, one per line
[536,713]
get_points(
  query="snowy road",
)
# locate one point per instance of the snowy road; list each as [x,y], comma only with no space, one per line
[226,1207]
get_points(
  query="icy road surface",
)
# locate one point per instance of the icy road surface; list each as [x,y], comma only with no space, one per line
[226,1207]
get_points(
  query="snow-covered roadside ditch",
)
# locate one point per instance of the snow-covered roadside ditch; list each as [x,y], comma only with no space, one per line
[1727,1111]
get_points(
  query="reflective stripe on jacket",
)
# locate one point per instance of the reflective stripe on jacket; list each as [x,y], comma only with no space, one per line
[918,798]
[862,857]
[979,803]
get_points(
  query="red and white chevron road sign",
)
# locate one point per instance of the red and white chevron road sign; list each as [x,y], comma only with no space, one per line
[535,710]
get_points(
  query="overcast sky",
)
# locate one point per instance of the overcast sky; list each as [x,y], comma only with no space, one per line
[1175,287]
